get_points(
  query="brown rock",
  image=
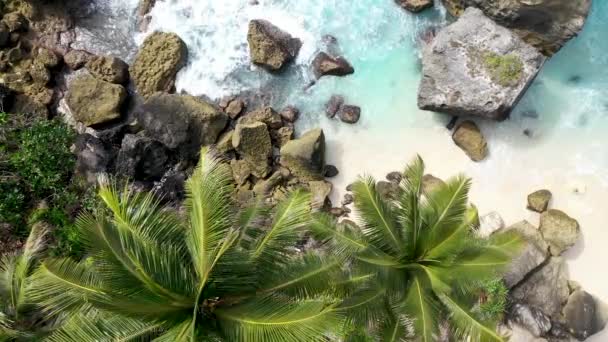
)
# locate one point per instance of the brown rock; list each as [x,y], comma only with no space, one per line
[76,59]
[109,68]
[269,46]
[266,115]
[93,101]
[539,200]
[290,114]
[235,108]
[469,138]
[559,230]
[324,64]
[333,105]
[349,114]
[415,6]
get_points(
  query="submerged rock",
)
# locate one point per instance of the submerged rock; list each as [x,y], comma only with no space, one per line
[159,59]
[545,24]
[559,230]
[415,6]
[109,68]
[269,46]
[476,67]
[305,156]
[581,316]
[94,101]
[539,200]
[324,65]
[470,139]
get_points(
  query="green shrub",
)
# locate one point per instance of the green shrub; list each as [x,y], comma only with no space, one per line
[43,159]
[12,201]
[494,303]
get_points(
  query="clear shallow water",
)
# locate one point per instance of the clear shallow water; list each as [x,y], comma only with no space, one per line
[565,111]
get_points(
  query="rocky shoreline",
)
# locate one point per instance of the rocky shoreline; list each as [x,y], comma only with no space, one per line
[133,125]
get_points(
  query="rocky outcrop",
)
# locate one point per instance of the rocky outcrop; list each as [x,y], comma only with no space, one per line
[415,6]
[476,67]
[159,59]
[534,253]
[269,46]
[559,230]
[324,64]
[545,24]
[539,200]
[252,142]
[94,101]
[109,68]
[469,138]
[305,156]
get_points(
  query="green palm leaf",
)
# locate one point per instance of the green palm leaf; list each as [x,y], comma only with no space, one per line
[409,204]
[421,310]
[466,325]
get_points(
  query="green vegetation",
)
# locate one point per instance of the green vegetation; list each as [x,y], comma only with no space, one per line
[419,261]
[494,299]
[505,70]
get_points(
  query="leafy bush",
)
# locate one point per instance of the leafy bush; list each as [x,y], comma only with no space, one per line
[494,299]
[12,201]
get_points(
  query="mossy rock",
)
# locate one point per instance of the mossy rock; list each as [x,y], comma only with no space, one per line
[505,70]
[305,156]
[252,142]
[94,101]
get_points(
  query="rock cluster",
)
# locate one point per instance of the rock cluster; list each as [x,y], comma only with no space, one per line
[346,113]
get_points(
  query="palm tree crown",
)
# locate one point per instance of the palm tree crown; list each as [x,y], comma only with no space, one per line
[221,273]
[420,261]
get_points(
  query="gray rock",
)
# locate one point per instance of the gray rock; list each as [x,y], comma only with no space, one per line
[235,108]
[476,67]
[546,288]
[431,183]
[415,6]
[141,158]
[171,186]
[580,314]
[282,135]
[349,114]
[305,156]
[394,177]
[387,190]
[469,138]
[330,171]
[545,24]
[252,142]
[94,101]
[109,68]
[290,114]
[348,199]
[559,230]
[534,253]
[490,223]
[240,171]
[539,200]
[269,46]
[333,105]
[530,318]
[319,191]
[324,65]
[93,157]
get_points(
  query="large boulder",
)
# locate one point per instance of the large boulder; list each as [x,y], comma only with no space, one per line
[141,158]
[581,316]
[559,230]
[269,46]
[94,101]
[534,253]
[181,120]
[546,289]
[159,59]
[252,142]
[109,68]
[476,67]
[305,156]
[324,64]
[469,138]
[545,24]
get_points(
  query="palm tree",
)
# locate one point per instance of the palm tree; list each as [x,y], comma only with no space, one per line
[19,318]
[215,273]
[419,260]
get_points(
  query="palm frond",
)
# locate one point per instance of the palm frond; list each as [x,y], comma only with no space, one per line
[379,222]
[421,309]
[465,326]
[395,329]
[409,204]
[457,239]
[342,241]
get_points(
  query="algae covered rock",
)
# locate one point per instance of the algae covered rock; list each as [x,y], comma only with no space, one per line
[476,67]
[305,156]
[269,46]
[539,200]
[159,59]
[109,68]
[559,230]
[94,101]
[470,139]
[252,142]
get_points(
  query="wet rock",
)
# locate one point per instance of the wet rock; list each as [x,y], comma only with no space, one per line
[252,142]
[266,115]
[333,105]
[431,183]
[159,59]
[235,108]
[141,158]
[349,114]
[240,171]
[534,253]
[109,68]
[76,59]
[545,24]
[324,65]
[470,139]
[319,191]
[394,177]
[269,46]
[530,318]
[290,114]
[490,223]
[415,6]
[476,67]
[546,288]
[330,171]
[580,314]
[93,101]
[559,230]
[181,120]
[539,200]
[305,156]
[93,157]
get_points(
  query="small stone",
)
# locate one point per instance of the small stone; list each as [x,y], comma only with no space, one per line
[235,108]
[324,65]
[539,200]
[470,139]
[394,177]
[330,171]
[290,114]
[282,135]
[337,212]
[348,199]
[240,171]
[333,105]
[415,6]
[266,115]
[349,114]
[559,230]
